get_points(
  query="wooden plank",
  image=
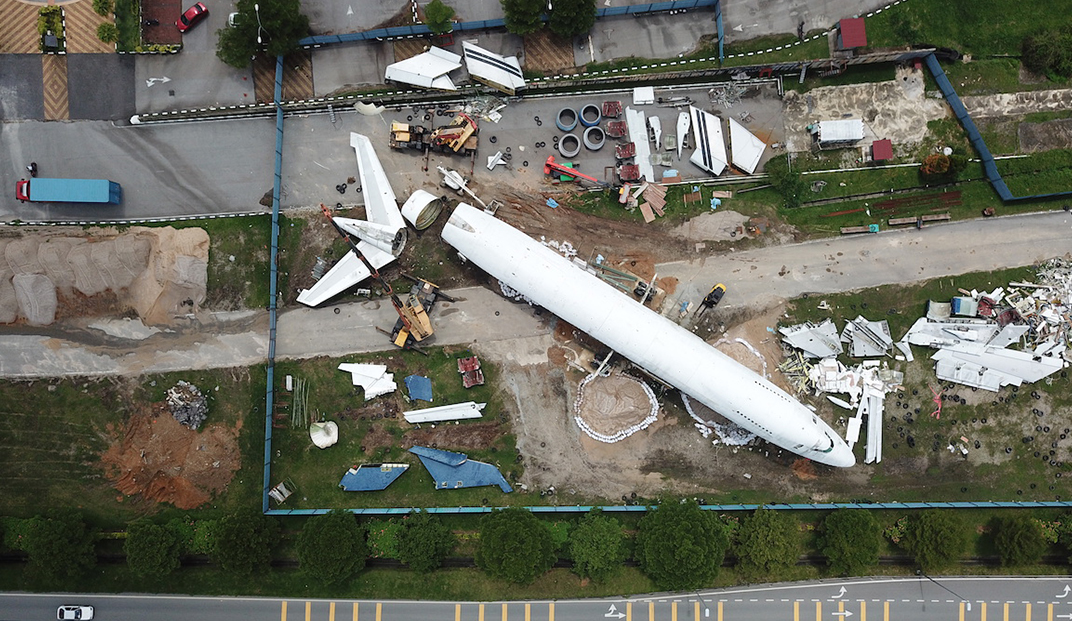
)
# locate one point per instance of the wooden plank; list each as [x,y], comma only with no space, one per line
[692,196]
[649,217]
[722,194]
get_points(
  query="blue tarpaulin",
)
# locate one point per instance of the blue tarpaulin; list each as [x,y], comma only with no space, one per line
[456,470]
[371,477]
[419,387]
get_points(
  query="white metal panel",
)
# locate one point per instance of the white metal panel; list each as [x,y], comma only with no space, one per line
[638,135]
[710,153]
[454,411]
[428,70]
[747,150]
[663,348]
[847,130]
[503,72]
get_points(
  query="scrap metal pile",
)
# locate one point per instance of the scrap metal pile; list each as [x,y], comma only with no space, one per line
[187,405]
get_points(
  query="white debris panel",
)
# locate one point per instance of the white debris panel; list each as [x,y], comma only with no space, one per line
[867,339]
[710,153]
[638,135]
[427,70]
[866,385]
[747,150]
[373,378]
[816,341]
[495,70]
[454,411]
[728,433]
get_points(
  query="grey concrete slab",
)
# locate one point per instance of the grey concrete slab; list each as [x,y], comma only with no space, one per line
[748,19]
[336,17]
[165,170]
[350,65]
[21,92]
[196,77]
[100,86]
[651,36]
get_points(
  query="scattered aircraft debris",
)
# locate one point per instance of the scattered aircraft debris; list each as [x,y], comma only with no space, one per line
[372,378]
[454,411]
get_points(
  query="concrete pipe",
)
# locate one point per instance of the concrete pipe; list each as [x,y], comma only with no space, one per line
[566,119]
[591,115]
[594,138]
[569,146]
[421,209]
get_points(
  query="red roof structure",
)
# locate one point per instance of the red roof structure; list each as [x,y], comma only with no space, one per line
[882,150]
[853,33]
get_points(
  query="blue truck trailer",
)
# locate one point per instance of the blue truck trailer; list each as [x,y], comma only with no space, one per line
[41,190]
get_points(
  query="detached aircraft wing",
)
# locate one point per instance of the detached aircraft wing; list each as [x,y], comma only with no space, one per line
[383,235]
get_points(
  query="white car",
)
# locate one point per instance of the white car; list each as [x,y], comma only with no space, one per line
[74,613]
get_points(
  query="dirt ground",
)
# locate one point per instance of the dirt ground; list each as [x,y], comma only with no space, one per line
[1056,134]
[158,459]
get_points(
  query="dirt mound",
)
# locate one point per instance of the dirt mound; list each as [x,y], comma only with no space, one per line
[614,405]
[454,437]
[51,274]
[163,461]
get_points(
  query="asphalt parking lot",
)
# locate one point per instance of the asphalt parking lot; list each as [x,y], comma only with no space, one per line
[21,92]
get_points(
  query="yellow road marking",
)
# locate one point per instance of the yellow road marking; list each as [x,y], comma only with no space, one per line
[628,611]
[673,611]
[355,611]
[283,615]
[379,609]
[961,611]
[651,611]
[504,613]
[308,610]
[818,611]
[331,612]
[551,612]
[841,606]
[696,611]
[527,611]
[1006,609]
[1049,612]
[863,611]
[796,611]
[886,611]
[480,613]
[457,612]
[983,609]
[720,611]
[1028,615]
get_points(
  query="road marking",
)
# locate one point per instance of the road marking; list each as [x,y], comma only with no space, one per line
[628,611]
[480,613]
[331,612]
[355,611]
[886,611]
[863,610]
[651,611]
[720,611]
[673,611]
[796,611]
[818,611]
[961,613]
[504,612]
[1028,614]
[1006,609]
[283,615]
[550,612]
[457,612]
[528,611]
[696,611]
[983,618]
[1049,612]
[379,609]
[308,611]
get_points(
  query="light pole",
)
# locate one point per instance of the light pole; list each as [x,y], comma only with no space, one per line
[257,12]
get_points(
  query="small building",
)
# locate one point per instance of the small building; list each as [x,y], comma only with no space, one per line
[882,150]
[851,34]
[838,134]
[499,72]
[428,70]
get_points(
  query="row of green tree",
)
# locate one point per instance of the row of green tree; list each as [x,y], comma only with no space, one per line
[678,545]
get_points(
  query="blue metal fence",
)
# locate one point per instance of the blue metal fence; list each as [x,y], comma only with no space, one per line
[273,278]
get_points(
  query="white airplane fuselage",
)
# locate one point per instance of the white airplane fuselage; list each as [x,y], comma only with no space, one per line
[651,341]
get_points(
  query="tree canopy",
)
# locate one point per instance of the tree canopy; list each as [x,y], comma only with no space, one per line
[786,181]
[244,541]
[438,16]
[279,24]
[1019,540]
[425,541]
[679,546]
[523,17]
[60,545]
[597,546]
[569,18]
[151,549]
[937,538]
[331,547]
[767,540]
[850,540]
[514,545]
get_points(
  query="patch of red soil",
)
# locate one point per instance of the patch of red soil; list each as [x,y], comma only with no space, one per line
[454,437]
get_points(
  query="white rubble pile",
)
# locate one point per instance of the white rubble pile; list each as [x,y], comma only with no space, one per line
[187,405]
[866,385]
[373,378]
[728,433]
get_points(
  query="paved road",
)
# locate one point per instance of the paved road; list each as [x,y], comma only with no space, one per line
[483,316]
[918,599]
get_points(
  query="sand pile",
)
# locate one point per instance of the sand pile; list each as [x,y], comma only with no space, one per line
[159,273]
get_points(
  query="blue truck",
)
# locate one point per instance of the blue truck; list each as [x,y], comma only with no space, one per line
[41,190]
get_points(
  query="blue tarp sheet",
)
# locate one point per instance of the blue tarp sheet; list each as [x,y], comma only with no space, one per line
[371,477]
[419,387]
[456,470]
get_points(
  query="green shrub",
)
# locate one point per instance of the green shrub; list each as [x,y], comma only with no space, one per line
[108,32]
[50,18]
[938,538]
[850,541]
[1019,540]
[768,541]
[383,536]
[597,546]
[151,549]
[514,546]
[1049,52]
[331,547]
[424,542]
[103,7]
[680,546]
